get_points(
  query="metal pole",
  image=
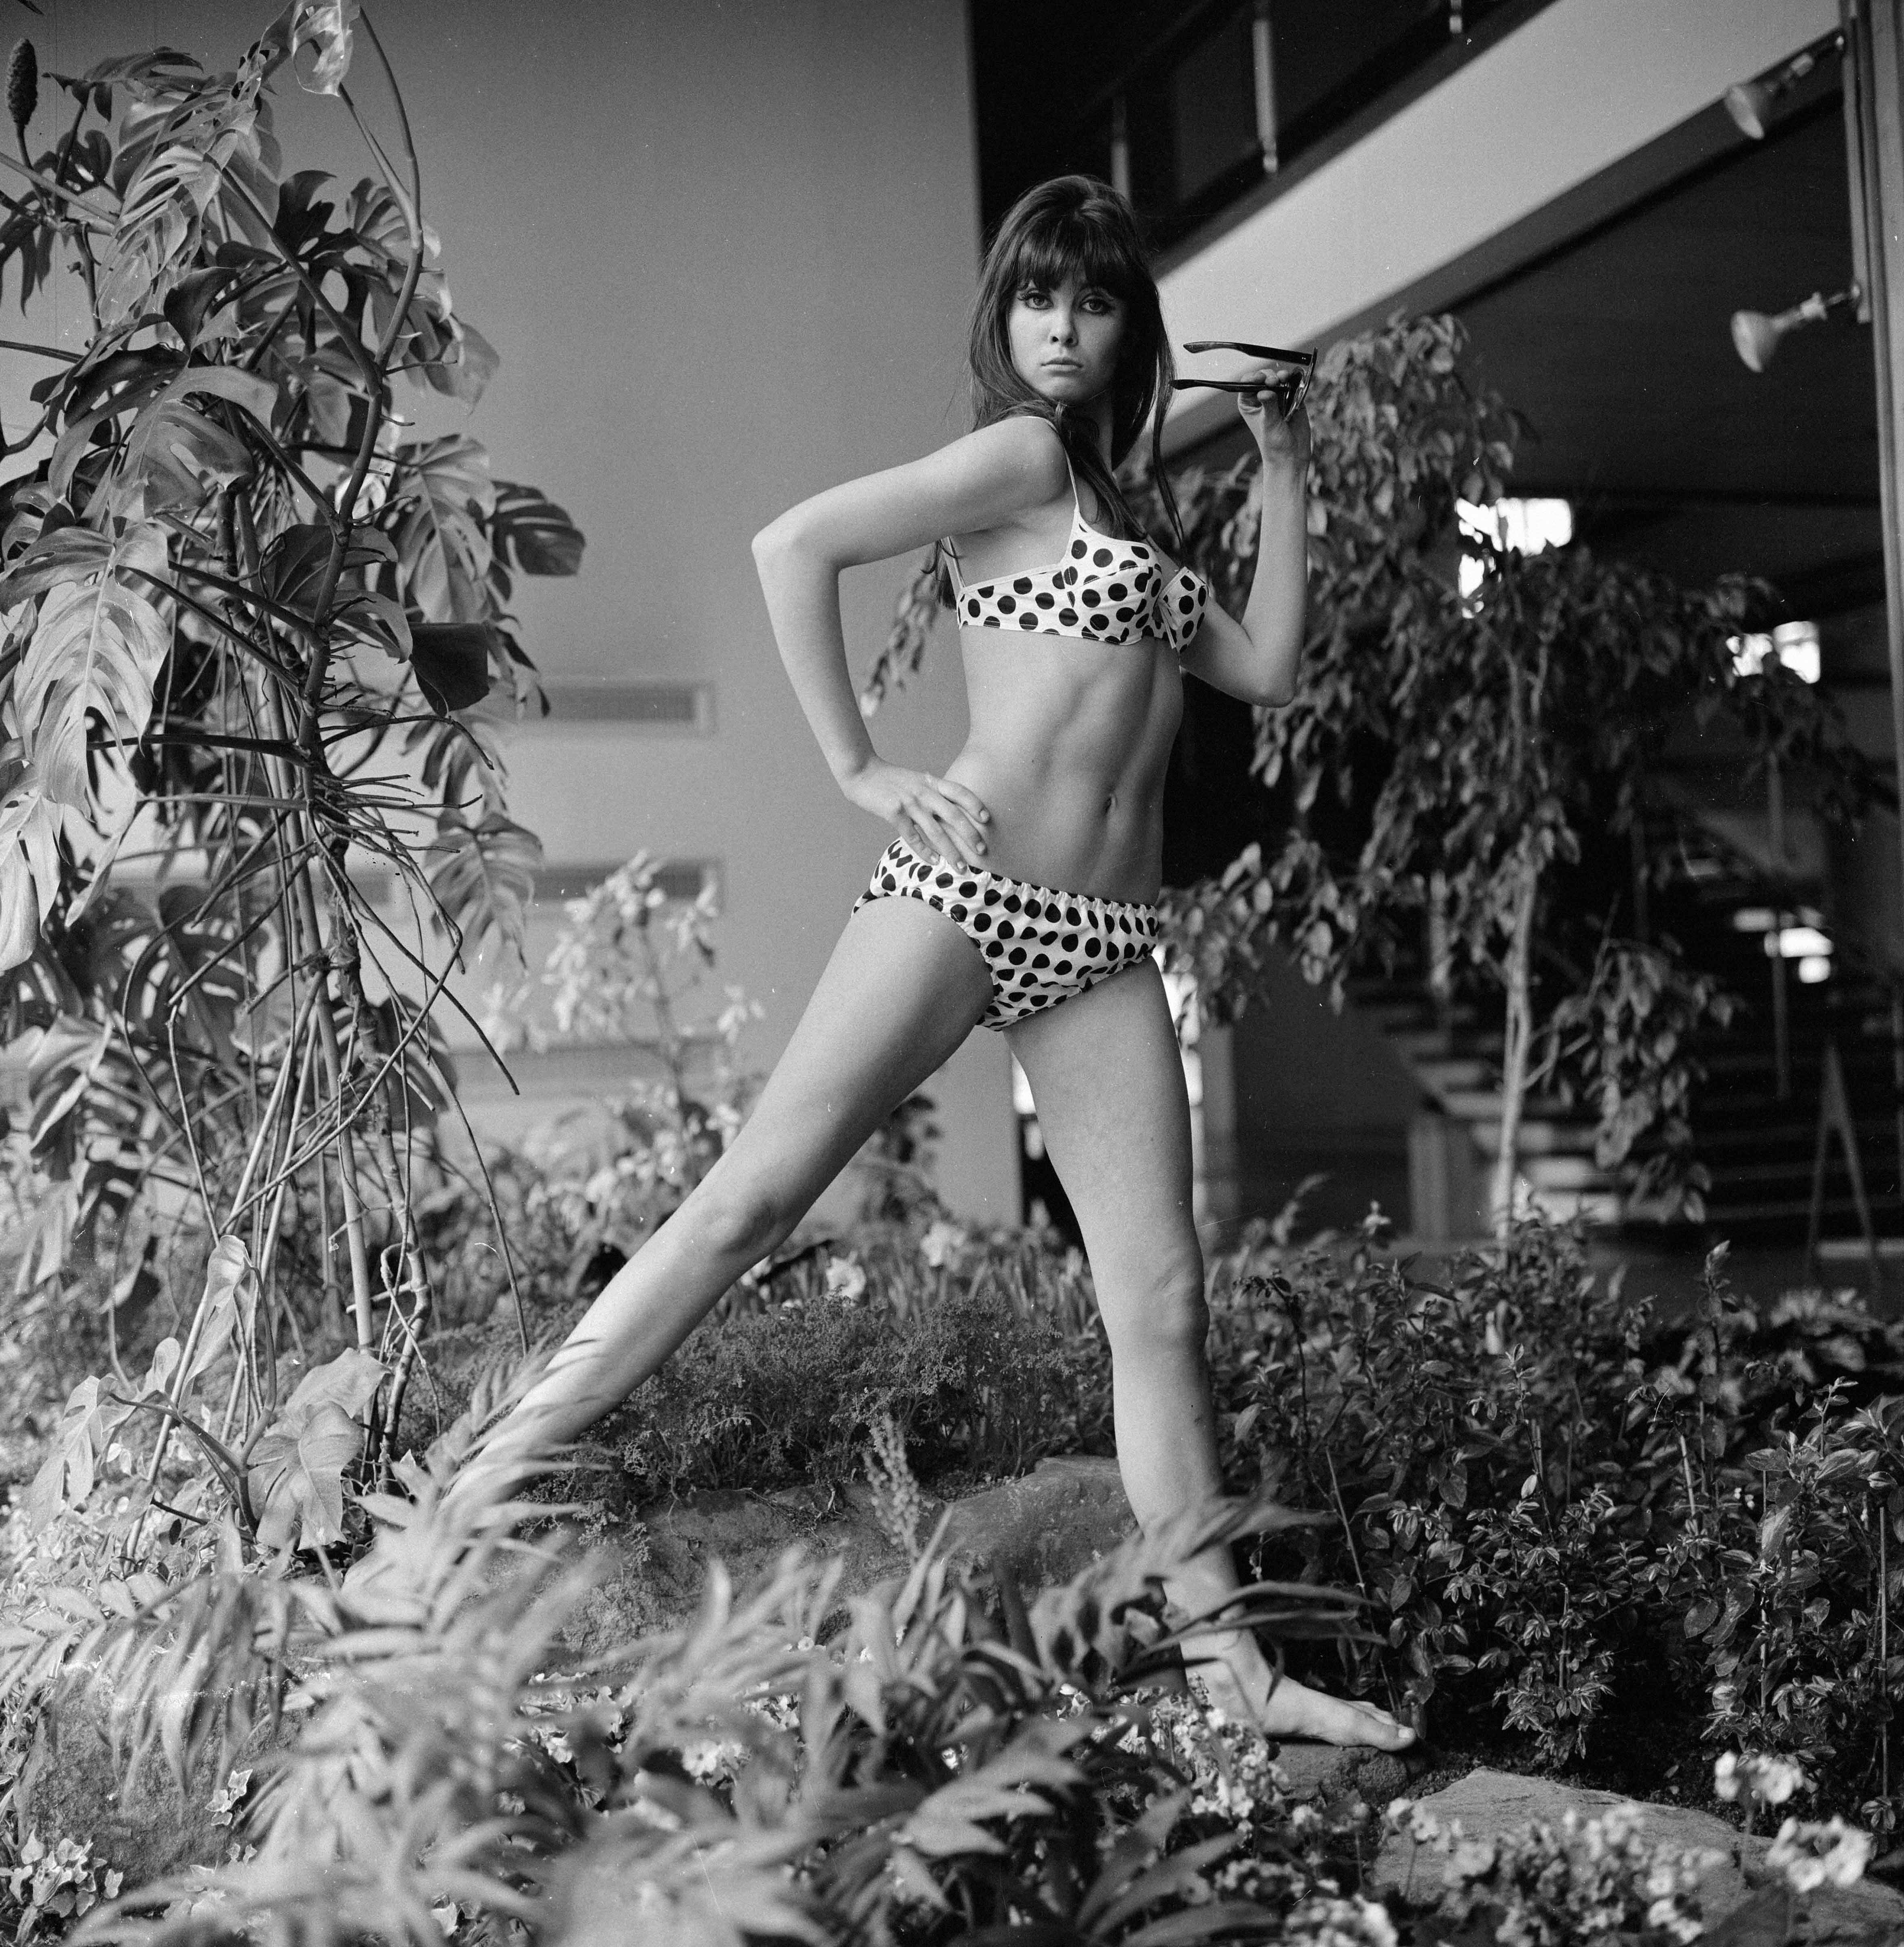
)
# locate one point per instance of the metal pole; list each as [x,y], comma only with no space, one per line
[1263,51]
[1775,804]
[1120,148]
[1874,78]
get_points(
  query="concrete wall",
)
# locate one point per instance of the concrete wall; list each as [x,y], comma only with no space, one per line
[725,248]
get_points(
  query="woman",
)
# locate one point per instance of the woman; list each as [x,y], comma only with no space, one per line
[1018,892]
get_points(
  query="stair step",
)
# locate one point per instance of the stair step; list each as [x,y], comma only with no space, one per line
[1564,1172]
[1539,1137]
[1451,1072]
[1483,1105]
[1421,1044]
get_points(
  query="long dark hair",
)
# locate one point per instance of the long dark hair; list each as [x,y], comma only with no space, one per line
[1078,228]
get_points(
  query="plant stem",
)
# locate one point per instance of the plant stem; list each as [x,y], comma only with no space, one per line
[1519,1040]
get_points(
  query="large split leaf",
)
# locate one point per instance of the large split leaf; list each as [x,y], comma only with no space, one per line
[326,26]
[176,149]
[96,647]
[530,535]
[176,455]
[29,865]
[444,496]
[485,879]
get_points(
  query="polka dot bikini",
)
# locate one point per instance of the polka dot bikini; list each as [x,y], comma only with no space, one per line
[1103,589]
[1040,946]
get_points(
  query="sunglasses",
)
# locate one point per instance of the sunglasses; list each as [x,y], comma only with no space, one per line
[1290,386]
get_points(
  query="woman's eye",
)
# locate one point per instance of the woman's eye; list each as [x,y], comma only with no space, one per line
[1033,298]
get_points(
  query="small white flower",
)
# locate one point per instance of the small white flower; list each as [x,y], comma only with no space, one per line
[846,1277]
[941,1243]
[1811,1855]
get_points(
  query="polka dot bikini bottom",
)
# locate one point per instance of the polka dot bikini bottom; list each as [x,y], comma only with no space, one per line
[1041,946]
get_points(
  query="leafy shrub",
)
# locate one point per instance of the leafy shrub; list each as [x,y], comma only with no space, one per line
[1547,1499]
[973,1374]
[921,1778]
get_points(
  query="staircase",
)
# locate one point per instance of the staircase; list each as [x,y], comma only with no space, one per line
[1755,1130]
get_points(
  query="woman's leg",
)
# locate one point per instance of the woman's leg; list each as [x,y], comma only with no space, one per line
[903,988]
[1109,1083]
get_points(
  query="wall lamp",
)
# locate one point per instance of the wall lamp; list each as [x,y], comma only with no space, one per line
[1750,103]
[1757,336]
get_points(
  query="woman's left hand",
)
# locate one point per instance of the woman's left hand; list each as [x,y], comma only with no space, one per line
[1283,443]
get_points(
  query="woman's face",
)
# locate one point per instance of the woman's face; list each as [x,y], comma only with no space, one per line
[1065,339]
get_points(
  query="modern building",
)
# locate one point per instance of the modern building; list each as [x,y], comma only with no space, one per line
[726,248]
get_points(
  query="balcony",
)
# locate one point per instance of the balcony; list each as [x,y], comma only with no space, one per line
[1195,110]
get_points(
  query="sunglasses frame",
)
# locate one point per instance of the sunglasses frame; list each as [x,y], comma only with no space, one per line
[1292,388]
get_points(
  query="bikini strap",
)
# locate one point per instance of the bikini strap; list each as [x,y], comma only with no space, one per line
[1077,505]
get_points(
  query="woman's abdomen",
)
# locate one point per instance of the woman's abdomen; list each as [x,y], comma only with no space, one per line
[1069,744]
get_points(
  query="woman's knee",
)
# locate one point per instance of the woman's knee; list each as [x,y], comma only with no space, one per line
[1159,1305]
[740,1218]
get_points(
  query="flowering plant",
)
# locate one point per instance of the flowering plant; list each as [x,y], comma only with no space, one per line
[1547,1885]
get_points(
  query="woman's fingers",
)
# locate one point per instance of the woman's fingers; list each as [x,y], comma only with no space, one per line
[968,801]
[944,827]
[963,813]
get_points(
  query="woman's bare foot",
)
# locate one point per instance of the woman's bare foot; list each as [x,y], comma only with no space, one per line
[1288,1709]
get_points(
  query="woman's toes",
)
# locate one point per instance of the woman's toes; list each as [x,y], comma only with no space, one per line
[1294,1711]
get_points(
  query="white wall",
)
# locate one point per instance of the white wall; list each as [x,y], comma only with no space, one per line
[725,248]
[1582,83]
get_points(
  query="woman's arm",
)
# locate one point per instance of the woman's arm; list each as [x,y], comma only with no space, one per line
[1256,659]
[979,481]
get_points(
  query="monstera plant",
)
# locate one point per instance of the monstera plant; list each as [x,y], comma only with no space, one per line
[253,630]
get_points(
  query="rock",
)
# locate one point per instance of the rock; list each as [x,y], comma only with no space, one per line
[664,1565]
[1332,1772]
[1039,1531]
[1043,1529]
[74,1787]
[1487,1802]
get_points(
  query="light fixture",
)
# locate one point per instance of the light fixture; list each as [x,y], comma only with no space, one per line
[1795,644]
[1749,102]
[1756,336]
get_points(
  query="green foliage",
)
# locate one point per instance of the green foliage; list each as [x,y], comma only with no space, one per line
[230,584]
[626,970]
[50,1887]
[1582,1881]
[1448,749]
[921,1777]
[985,1367]
[1625,1043]
[1546,1499]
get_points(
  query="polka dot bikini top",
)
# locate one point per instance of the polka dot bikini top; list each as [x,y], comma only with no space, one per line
[1101,589]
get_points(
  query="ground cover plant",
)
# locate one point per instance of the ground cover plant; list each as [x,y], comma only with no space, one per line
[1565,1514]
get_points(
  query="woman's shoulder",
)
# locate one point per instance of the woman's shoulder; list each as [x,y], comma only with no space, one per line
[1021,451]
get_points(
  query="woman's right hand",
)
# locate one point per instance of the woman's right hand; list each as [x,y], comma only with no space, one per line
[938,818]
